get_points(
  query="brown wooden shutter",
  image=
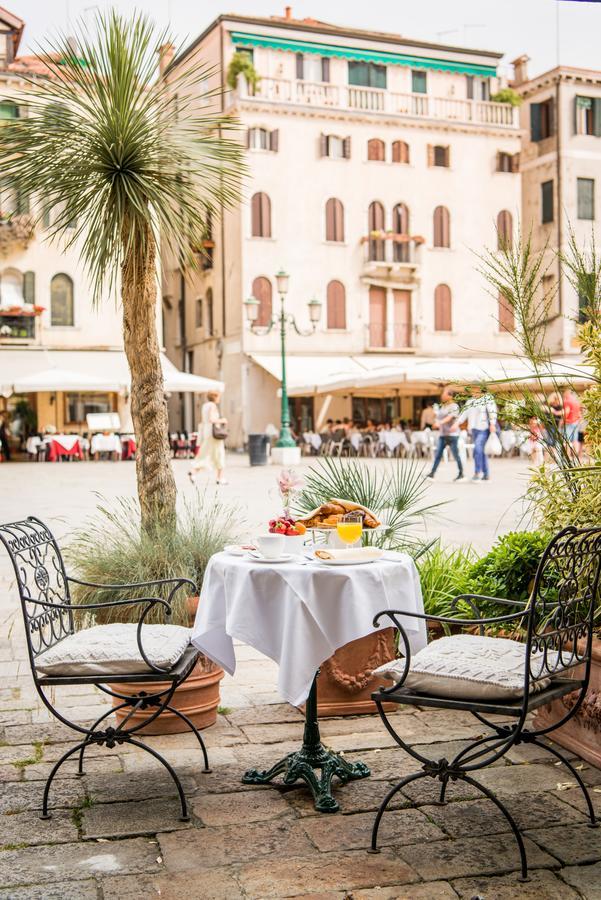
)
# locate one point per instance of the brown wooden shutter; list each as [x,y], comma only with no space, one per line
[404,152]
[300,66]
[346,148]
[339,220]
[274,140]
[336,305]
[265,216]
[330,221]
[430,155]
[515,162]
[447,156]
[377,316]
[442,308]
[396,151]
[325,68]
[262,292]
[255,215]
[506,315]
[402,318]
[446,227]
[323,145]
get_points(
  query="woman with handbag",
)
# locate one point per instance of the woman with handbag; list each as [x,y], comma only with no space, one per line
[212,432]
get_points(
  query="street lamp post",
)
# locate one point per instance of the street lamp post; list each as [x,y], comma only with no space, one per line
[284,319]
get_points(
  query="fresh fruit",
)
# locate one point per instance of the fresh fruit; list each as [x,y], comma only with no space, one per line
[286,526]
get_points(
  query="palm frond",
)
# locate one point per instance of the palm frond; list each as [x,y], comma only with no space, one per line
[123,155]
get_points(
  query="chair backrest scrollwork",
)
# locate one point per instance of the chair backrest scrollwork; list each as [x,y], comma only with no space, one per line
[41,579]
[564,599]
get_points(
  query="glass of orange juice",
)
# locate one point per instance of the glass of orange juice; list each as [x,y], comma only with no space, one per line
[350,528]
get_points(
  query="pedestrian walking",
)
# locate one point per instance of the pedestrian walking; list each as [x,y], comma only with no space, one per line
[212,432]
[4,443]
[572,416]
[446,424]
[480,413]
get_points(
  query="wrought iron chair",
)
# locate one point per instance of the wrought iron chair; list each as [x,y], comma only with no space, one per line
[557,623]
[44,590]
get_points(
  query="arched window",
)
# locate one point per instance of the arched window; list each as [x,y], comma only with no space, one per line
[61,301]
[334,220]
[443,320]
[376,150]
[400,226]
[400,152]
[442,227]
[11,288]
[504,229]
[336,303]
[505,315]
[258,139]
[262,293]
[260,213]
[375,222]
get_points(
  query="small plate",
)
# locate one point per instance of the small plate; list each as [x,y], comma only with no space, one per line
[345,562]
[285,557]
[236,550]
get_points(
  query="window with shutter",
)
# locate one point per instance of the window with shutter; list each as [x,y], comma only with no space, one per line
[377,316]
[62,311]
[442,227]
[274,140]
[542,120]
[258,139]
[260,215]
[210,312]
[300,72]
[198,317]
[29,287]
[334,220]
[546,202]
[375,223]
[586,198]
[346,148]
[430,154]
[506,315]
[262,292]
[469,87]
[366,74]
[515,162]
[376,151]
[323,145]
[419,82]
[400,225]
[442,308]
[325,68]
[441,156]
[336,305]
[400,152]
[504,229]
[504,161]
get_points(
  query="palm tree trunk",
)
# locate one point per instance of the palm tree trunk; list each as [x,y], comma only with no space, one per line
[156,484]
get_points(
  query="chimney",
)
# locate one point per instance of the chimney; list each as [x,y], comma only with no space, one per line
[520,68]
[166,54]
[287,12]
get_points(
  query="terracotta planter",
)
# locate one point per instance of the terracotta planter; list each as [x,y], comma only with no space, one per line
[345,682]
[197,697]
[582,733]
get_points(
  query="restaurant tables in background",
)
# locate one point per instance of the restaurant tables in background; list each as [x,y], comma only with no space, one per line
[106,443]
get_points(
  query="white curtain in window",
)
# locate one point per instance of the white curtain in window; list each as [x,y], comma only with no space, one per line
[11,288]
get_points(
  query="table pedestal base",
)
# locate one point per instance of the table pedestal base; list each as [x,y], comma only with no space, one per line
[312,756]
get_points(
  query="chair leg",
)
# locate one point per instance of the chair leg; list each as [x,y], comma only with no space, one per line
[50,779]
[593,823]
[88,740]
[516,831]
[386,801]
[193,728]
[182,797]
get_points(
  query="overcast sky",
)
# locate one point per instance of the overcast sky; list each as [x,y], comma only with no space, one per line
[511,26]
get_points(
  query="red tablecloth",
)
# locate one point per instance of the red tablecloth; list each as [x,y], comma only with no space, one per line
[56,449]
[129,448]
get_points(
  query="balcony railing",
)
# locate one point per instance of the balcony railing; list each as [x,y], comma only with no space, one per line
[420,106]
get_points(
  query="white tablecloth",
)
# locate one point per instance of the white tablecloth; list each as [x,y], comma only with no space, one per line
[299,613]
[106,443]
[392,439]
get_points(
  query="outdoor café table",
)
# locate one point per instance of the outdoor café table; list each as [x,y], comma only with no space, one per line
[63,445]
[298,614]
[106,443]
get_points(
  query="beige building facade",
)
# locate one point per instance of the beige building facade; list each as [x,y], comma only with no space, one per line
[377,166]
[561,179]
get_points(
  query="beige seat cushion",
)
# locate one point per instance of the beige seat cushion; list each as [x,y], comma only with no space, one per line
[468,667]
[113,650]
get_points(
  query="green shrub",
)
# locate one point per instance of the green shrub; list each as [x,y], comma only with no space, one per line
[444,574]
[508,569]
[112,548]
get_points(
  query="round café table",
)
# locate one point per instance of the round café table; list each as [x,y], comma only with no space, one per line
[298,613]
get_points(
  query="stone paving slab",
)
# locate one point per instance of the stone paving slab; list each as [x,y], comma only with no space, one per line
[244,806]
[544,885]
[483,817]
[353,832]
[347,871]
[570,844]
[479,855]
[114,820]
[26,829]
[434,890]
[356,796]
[586,880]
[59,890]
[207,884]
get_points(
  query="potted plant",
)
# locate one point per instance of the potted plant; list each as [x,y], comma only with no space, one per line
[113,549]
[241,64]
[395,494]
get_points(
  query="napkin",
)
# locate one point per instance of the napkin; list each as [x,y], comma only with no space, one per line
[351,553]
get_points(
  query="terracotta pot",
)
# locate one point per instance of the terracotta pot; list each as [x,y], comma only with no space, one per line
[198,697]
[345,682]
[582,733]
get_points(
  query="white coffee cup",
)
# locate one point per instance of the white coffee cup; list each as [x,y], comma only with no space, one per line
[270,545]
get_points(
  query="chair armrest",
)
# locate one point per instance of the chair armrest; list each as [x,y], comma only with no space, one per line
[471,599]
[157,581]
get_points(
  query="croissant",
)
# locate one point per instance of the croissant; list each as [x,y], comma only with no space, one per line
[329,514]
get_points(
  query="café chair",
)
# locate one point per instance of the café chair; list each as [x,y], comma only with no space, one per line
[494,676]
[148,655]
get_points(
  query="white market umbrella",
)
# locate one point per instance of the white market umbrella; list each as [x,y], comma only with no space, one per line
[185,382]
[55,379]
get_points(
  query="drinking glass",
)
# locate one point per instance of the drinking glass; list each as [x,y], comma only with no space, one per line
[350,528]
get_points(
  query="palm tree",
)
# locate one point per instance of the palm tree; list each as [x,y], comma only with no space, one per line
[117,158]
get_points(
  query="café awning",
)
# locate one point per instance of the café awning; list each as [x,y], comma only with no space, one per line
[31,370]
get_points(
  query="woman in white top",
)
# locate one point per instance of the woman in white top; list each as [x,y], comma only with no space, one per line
[211,452]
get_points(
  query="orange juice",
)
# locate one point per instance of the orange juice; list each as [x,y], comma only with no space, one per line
[349,532]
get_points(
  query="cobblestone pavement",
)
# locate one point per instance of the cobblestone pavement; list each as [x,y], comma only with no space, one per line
[115,833]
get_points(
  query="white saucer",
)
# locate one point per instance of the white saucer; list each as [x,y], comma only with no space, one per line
[345,562]
[285,557]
